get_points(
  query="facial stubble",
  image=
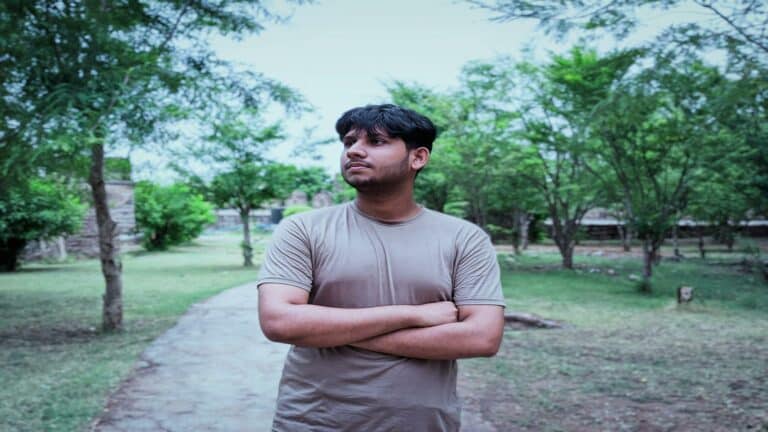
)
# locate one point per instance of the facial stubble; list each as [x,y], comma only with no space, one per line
[389,177]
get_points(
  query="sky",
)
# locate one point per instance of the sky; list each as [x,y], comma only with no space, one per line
[340,54]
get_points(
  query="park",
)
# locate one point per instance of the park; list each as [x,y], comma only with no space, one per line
[618,164]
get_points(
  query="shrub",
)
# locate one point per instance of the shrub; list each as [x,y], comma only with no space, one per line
[170,215]
[456,208]
[33,210]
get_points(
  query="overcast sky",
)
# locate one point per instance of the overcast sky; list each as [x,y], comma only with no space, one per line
[340,54]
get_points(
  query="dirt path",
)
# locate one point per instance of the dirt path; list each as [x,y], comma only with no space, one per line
[213,371]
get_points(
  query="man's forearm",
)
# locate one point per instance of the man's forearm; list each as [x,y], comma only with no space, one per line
[444,342]
[321,326]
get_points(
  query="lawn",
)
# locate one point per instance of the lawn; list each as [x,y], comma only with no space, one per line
[628,361]
[58,368]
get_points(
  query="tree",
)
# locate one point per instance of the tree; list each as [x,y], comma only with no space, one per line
[170,215]
[35,209]
[729,186]
[737,26]
[468,174]
[80,76]
[234,148]
[558,101]
[246,187]
[652,131]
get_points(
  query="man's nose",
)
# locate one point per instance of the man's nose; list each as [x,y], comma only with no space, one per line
[356,150]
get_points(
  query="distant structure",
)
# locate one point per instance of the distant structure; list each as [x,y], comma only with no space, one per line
[297,198]
[230,218]
[86,241]
[601,224]
[273,211]
[322,199]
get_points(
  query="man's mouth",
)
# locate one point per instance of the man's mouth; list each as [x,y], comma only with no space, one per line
[355,165]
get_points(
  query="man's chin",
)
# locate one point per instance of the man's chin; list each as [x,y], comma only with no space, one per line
[360,183]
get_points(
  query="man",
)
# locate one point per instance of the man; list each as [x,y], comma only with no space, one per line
[379,296]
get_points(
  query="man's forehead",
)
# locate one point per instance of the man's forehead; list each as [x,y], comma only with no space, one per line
[358,132]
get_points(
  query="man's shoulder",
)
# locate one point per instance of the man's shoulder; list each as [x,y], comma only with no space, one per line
[446,223]
[315,217]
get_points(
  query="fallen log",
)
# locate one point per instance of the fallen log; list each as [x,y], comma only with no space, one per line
[531,320]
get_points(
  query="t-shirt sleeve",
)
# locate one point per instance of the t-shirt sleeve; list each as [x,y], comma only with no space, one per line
[477,279]
[288,259]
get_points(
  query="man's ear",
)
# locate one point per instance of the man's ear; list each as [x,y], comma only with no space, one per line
[419,158]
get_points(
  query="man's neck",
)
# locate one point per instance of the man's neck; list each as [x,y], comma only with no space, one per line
[395,207]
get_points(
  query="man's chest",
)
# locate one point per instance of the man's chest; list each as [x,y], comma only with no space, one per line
[371,268]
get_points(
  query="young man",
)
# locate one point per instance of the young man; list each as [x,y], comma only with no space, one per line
[379,296]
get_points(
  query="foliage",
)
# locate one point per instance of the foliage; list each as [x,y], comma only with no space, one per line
[35,209]
[170,215]
[83,77]
[117,168]
[738,27]
[343,192]
[310,180]
[295,209]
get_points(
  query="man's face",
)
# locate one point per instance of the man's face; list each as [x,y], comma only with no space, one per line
[374,162]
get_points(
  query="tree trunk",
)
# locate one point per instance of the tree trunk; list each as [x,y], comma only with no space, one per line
[525,224]
[247,248]
[675,241]
[516,230]
[656,253]
[702,251]
[109,245]
[566,246]
[647,265]
[728,236]
[567,254]
[61,248]
[626,240]
[10,252]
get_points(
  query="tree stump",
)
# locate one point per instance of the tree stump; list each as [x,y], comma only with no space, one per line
[684,294]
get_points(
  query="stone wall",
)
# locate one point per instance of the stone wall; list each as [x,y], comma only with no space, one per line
[86,242]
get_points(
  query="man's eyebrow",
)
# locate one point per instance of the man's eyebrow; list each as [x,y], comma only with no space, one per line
[351,134]
[379,135]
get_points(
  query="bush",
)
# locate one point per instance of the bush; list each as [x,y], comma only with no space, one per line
[170,215]
[499,233]
[456,208]
[33,210]
[294,209]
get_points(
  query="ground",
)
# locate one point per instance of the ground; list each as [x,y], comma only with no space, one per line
[626,361]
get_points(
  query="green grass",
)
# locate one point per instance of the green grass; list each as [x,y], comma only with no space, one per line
[58,367]
[628,361]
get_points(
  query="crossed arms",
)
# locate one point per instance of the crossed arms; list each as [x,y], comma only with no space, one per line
[437,331]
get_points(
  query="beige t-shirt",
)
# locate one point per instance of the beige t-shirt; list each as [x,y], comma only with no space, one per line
[347,259]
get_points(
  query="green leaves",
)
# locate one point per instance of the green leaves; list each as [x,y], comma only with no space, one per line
[170,215]
[35,209]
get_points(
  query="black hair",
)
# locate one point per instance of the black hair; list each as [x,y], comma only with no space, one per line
[397,122]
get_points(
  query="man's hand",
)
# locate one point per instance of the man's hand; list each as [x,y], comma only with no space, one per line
[432,314]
